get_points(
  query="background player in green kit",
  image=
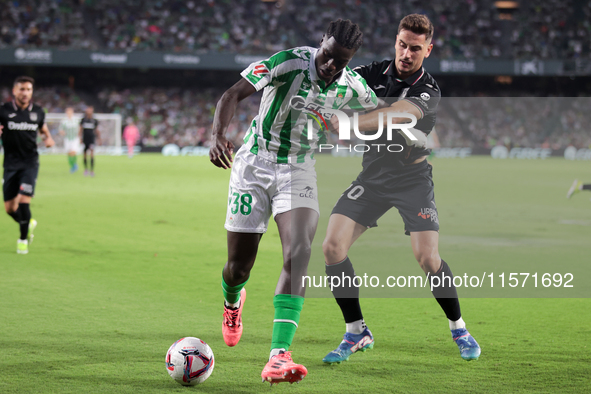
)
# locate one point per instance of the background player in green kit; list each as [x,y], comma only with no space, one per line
[89,134]
[273,174]
[69,129]
[20,121]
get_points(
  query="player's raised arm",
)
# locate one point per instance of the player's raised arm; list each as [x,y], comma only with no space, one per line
[220,152]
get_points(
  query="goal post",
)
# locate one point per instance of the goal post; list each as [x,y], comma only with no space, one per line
[109,126]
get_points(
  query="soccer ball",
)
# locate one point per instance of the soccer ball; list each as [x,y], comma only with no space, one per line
[189,361]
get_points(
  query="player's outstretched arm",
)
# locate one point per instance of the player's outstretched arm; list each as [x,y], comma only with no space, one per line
[47,136]
[220,152]
[370,121]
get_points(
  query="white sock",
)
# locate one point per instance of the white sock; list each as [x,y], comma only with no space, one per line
[454,325]
[23,241]
[356,327]
[275,352]
[234,305]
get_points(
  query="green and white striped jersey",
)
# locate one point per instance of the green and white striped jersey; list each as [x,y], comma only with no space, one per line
[279,132]
[71,127]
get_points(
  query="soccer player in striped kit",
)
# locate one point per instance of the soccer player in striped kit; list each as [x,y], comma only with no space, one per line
[273,174]
[69,129]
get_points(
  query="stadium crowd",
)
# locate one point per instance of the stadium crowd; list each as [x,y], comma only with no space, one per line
[467,29]
[179,116]
[528,122]
[53,99]
[41,24]
[184,117]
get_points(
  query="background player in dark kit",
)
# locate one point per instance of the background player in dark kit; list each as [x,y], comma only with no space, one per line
[89,133]
[402,180]
[20,120]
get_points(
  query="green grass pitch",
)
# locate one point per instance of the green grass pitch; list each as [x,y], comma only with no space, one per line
[128,262]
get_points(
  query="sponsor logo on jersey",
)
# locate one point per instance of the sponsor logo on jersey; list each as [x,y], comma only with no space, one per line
[429,213]
[11,115]
[260,70]
[23,126]
[88,125]
[379,87]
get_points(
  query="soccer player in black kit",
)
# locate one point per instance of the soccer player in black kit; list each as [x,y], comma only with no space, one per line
[20,121]
[89,134]
[402,180]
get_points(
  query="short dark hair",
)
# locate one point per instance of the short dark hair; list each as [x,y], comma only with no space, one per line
[418,24]
[345,33]
[22,79]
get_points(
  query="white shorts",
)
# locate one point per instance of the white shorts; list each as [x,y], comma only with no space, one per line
[259,188]
[72,145]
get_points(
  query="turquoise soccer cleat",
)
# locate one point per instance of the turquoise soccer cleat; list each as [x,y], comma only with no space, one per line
[469,348]
[351,343]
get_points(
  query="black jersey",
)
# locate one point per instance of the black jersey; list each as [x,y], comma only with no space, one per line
[19,135]
[88,128]
[420,89]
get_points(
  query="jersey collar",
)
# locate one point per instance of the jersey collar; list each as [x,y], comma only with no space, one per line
[17,108]
[391,71]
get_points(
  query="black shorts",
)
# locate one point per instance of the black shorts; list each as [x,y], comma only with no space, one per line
[414,199]
[17,182]
[88,146]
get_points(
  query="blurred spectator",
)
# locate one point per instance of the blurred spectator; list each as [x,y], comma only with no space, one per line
[52,99]
[50,23]
[466,29]
[185,117]
[176,115]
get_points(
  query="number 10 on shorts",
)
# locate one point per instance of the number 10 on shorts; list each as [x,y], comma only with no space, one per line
[240,203]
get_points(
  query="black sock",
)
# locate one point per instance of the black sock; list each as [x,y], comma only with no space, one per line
[25,218]
[346,294]
[446,294]
[16,215]
[587,186]
[92,164]
[85,163]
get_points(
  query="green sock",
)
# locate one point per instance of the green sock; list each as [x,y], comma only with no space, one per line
[70,162]
[287,318]
[232,293]
[74,160]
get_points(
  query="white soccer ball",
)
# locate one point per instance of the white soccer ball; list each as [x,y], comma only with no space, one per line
[189,361]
